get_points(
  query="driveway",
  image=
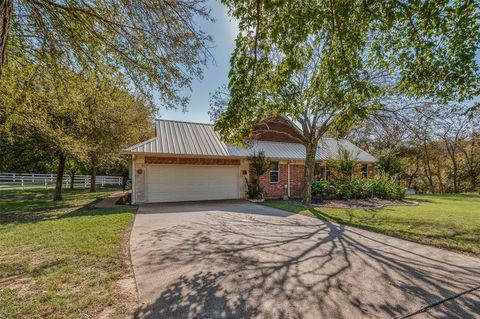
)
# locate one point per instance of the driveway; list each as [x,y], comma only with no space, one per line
[235,259]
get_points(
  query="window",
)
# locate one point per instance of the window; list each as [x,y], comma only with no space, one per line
[365,171]
[320,172]
[274,174]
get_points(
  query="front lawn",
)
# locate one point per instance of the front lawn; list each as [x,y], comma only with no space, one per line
[447,221]
[62,259]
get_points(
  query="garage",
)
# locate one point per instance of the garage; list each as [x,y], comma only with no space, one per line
[172,183]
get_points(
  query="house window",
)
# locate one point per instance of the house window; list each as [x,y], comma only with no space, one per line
[320,172]
[274,173]
[365,171]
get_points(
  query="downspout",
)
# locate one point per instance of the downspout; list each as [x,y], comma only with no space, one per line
[134,186]
[288,179]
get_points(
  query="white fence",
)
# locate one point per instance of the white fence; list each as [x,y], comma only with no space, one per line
[26,180]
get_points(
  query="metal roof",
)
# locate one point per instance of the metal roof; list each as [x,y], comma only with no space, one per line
[186,138]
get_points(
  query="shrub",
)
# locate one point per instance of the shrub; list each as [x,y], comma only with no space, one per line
[259,164]
[254,190]
[384,187]
[346,164]
[359,188]
[320,189]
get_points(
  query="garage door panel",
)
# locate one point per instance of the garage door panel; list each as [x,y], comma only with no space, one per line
[169,183]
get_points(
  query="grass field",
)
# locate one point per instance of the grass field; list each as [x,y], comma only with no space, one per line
[447,221]
[62,259]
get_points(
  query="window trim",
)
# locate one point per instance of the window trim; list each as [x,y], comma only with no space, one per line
[277,171]
[366,171]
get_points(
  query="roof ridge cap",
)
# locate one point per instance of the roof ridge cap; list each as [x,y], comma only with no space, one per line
[187,122]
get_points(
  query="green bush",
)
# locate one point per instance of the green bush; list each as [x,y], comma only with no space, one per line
[320,189]
[254,190]
[359,188]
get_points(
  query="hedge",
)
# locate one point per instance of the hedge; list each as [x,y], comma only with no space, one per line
[358,188]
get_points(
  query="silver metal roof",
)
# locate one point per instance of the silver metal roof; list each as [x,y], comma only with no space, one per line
[185,138]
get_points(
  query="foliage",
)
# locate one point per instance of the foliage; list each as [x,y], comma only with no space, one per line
[254,190]
[426,147]
[320,189]
[447,221]
[329,64]
[390,164]
[155,44]
[345,166]
[358,188]
[78,117]
[259,165]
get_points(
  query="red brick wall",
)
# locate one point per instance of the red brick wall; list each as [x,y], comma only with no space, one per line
[275,190]
[191,161]
[371,170]
[266,131]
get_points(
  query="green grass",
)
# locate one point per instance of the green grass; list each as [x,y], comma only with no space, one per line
[60,259]
[447,221]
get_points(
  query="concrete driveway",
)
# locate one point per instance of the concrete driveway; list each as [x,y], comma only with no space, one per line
[234,259]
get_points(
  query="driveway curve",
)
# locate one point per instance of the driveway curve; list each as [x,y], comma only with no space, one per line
[235,259]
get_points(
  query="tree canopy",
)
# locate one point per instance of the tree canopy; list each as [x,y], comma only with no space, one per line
[155,44]
[80,116]
[328,64]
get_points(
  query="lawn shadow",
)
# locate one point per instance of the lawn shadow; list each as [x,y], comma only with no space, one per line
[240,265]
[31,208]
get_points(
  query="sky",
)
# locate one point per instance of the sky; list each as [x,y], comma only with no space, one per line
[223,31]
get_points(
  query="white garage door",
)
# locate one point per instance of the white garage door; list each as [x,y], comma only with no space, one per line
[172,183]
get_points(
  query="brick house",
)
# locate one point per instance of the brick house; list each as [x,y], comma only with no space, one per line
[188,161]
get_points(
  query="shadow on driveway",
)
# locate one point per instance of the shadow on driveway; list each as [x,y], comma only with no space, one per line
[240,260]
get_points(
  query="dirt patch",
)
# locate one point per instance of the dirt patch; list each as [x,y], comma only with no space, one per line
[362,203]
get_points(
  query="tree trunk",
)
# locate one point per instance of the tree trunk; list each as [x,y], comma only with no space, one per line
[59,182]
[72,180]
[439,178]
[93,178]
[6,9]
[309,173]
[455,174]
[428,169]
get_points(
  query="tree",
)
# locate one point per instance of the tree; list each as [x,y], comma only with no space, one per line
[74,117]
[115,119]
[156,44]
[390,164]
[259,165]
[323,64]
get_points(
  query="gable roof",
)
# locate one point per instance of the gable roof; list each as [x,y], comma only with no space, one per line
[198,139]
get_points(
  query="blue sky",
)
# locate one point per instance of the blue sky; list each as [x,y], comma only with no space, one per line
[223,31]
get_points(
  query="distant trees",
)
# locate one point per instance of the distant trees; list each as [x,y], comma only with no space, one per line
[76,117]
[76,77]
[439,150]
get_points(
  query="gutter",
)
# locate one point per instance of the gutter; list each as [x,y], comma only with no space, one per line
[288,179]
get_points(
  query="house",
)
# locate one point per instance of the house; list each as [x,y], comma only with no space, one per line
[188,161]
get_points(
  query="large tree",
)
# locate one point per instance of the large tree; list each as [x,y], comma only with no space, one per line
[78,116]
[156,44]
[324,64]
[115,119]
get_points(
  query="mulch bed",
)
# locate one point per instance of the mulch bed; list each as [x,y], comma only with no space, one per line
[362,203]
